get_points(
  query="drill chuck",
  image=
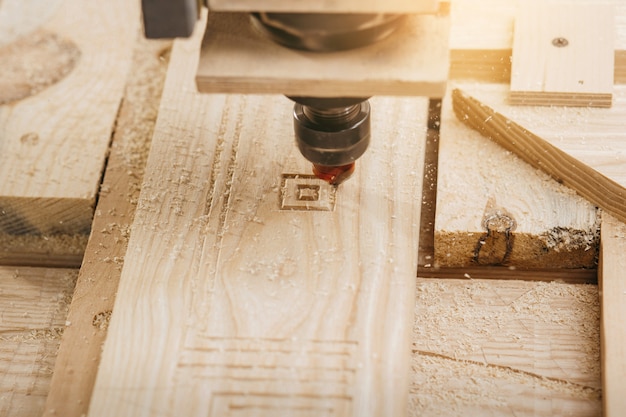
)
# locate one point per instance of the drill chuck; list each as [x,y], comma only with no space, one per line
[332,136]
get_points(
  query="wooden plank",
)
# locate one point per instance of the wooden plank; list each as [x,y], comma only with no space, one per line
[33,307]
[483,190]
[340,6]
[613,336]
[235,58]
[227,301]
[481,38]
[53,144]
[79,353]
[583,148]
[505,348]
[563,53]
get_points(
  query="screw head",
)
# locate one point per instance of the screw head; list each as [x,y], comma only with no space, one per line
[560,42]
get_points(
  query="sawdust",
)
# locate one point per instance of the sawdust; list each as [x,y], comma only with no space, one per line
[498,346]
[33,63]
[60,250]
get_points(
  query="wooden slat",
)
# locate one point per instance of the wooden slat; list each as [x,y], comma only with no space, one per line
[481,38]
[227,302]
[79,353]
[235,58]
[505,348]
[343,6]
[583,148]
[53,144]
[484,188]
[563,52]
[33,309]
[613,335]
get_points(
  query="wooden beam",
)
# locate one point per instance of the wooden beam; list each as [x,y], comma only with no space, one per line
[34,303]
[79,353]
[613,302]
[584,149]
[341,6]
[226,301]
[563,54]
[236,58]
[495,209]
[54,143]
[481,39]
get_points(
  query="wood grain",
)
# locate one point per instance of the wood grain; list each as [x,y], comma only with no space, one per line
[227,302]
[237,59]
[583,148]
[53,144]
[79,353]
[481,38]
[563,53]
[613,291]
[33,307]
[483,189]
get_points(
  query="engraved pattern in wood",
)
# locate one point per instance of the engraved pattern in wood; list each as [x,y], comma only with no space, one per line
[214,266]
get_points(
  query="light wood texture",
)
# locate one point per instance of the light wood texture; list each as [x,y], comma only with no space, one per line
[481,38]
[505,348]
[613,295]
[482,187]
[563,54]
[53,144]
[344,6]
[237,59]
[33,308]
[79,353]
[228,304]
[583,148]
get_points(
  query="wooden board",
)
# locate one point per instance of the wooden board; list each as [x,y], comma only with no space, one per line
[583,148]
[33,305]
[227,302]
[54,139]
[481,39]
[613,290]
[237,59]
[79,353]
[484,188]
[505,348]
[563,54]
[341,6]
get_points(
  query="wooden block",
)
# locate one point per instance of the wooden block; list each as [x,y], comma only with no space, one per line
[582,148]
[33,304]
[55,128]
[563,54]
[505,348]
[613,335]
[494,209]
[237,59]
[481,38]
[338,6]
[226,302]
[79,352]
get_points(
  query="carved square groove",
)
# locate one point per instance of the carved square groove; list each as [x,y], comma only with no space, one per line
[306,192]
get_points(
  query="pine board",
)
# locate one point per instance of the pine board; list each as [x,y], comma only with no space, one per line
[613,290]
[54,136]
[505,348]
[480,182]
[411,62]
[79,352]
[33,308]
[481,38]
[581,147]
[563,53]
[215,273]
